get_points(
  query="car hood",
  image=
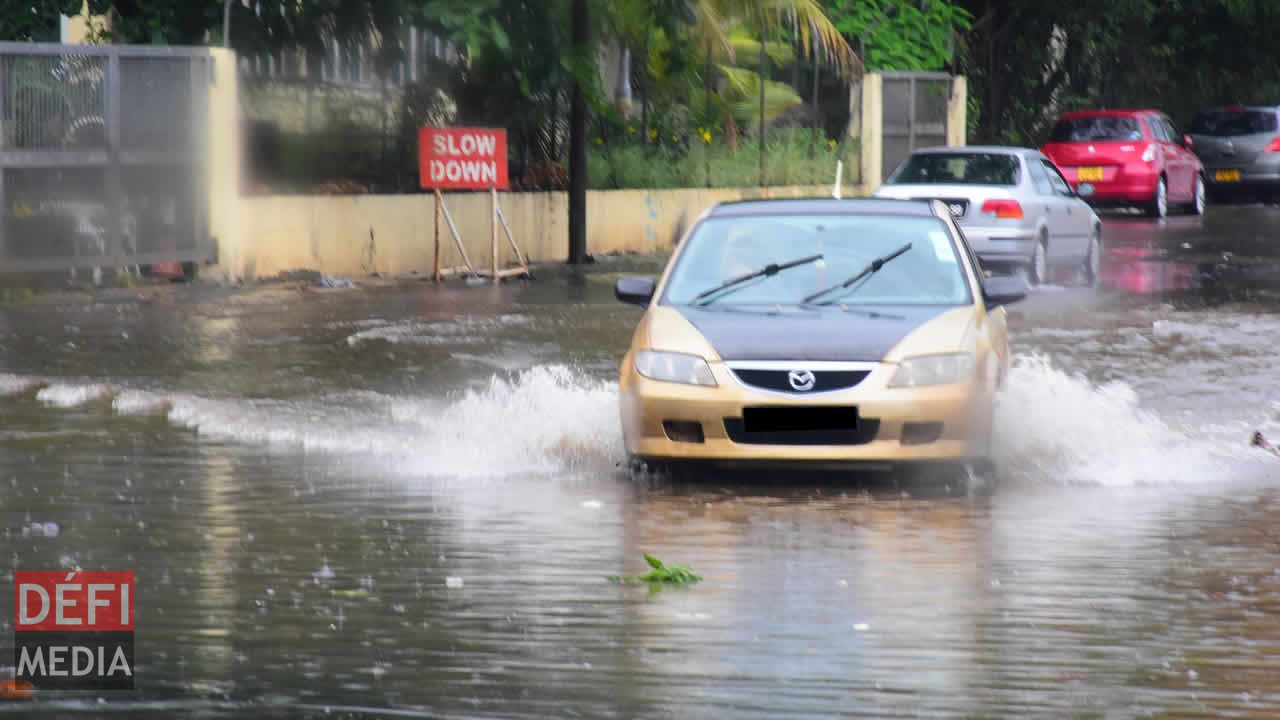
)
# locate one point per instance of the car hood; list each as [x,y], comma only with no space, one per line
[824,334]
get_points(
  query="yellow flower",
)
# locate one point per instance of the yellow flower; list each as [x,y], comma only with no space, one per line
[631,130]
[674,138]
[653,134]
[706,135]
[599,141]
[831,144]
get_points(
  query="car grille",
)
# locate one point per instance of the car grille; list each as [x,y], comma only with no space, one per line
[779,380]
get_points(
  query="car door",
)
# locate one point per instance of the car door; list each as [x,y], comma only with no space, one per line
[1048,204]
[1186,156]
[1070,225]
[1178,161]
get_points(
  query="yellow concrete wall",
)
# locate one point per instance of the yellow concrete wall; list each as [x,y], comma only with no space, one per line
[392,234]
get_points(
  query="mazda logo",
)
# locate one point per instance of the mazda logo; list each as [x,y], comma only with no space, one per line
[801,380]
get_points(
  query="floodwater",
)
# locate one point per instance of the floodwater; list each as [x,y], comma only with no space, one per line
[407,502]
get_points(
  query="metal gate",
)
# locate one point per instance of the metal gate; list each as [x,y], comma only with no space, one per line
[103,155]
[915,115]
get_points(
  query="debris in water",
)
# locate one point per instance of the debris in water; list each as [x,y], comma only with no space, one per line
[1259,441]
[661,573]
[324,573]
[42,529]
[453,582]
[329,281]
[592,504]
[861,627]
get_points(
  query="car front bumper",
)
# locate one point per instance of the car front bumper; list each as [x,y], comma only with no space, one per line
[964,411]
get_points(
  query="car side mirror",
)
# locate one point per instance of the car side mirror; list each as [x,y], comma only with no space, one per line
[1085,190]
[1186,142]
[634,290]
[1004,289]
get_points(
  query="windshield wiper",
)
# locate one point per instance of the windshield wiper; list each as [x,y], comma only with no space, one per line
[706,296]
[872,268]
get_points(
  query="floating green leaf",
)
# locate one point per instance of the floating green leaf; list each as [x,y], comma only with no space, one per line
[660,573]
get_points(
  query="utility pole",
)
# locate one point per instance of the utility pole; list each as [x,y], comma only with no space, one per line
[226,23]
[578,145]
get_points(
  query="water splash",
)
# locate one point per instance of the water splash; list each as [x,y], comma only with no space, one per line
[1057,426]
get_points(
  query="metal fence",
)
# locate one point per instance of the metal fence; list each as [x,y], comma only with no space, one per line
[915,114]
[103,155]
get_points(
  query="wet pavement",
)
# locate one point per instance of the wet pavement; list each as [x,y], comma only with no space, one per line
[407,502]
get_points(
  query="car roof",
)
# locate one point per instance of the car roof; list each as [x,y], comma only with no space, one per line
[1244,108]
[823,206]
[1120,112]
[987,149]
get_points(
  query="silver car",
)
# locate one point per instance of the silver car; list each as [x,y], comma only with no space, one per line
[1012,204]
[1240,149]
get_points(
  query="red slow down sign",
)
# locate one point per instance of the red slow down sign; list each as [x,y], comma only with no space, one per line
[462,158]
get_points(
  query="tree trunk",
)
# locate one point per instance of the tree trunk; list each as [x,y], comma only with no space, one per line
[578,147]
[706,101]
[764,77]
[644,92]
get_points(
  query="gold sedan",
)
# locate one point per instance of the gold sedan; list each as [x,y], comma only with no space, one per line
[817,332]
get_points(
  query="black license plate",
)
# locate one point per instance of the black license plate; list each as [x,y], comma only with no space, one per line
[799,419]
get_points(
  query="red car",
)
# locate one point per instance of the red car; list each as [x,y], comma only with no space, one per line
[1128,157]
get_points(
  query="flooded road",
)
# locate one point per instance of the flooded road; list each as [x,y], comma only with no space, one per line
[406,502]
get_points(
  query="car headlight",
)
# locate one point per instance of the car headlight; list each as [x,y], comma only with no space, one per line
[674,367]
[933,370]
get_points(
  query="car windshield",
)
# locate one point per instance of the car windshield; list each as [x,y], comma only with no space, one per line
[726,247]
[957,169]
[1096,128]
[1230,123]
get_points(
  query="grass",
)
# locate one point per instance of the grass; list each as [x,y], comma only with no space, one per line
[790,159]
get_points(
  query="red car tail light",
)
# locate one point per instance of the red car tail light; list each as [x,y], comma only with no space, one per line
[1274,145]
[1007,209]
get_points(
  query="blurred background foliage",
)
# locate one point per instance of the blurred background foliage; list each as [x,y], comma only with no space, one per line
[677,89]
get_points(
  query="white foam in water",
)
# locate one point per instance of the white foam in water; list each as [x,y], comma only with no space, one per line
[463,330]
[1059,427]
[61,395]
[140,402]
[16,384]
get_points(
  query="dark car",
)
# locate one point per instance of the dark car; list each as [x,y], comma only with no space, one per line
[1240,149]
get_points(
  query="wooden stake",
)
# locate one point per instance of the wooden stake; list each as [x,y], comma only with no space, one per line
[506,228]
[457,239]
[493,229]
[436,267]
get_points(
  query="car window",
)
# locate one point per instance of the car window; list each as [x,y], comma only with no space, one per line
[1231,123]
[1059,183]
[957,169]
[1039,178]
[721,248]
[1157,129]
[1170,129]
[1096,128]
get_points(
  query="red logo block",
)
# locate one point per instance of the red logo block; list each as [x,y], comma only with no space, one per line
[83,601]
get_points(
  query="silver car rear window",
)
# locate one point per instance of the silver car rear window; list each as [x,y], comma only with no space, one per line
[957,169]
[1231,123]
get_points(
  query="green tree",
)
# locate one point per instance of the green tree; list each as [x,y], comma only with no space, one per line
[34,19]
[901,34]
